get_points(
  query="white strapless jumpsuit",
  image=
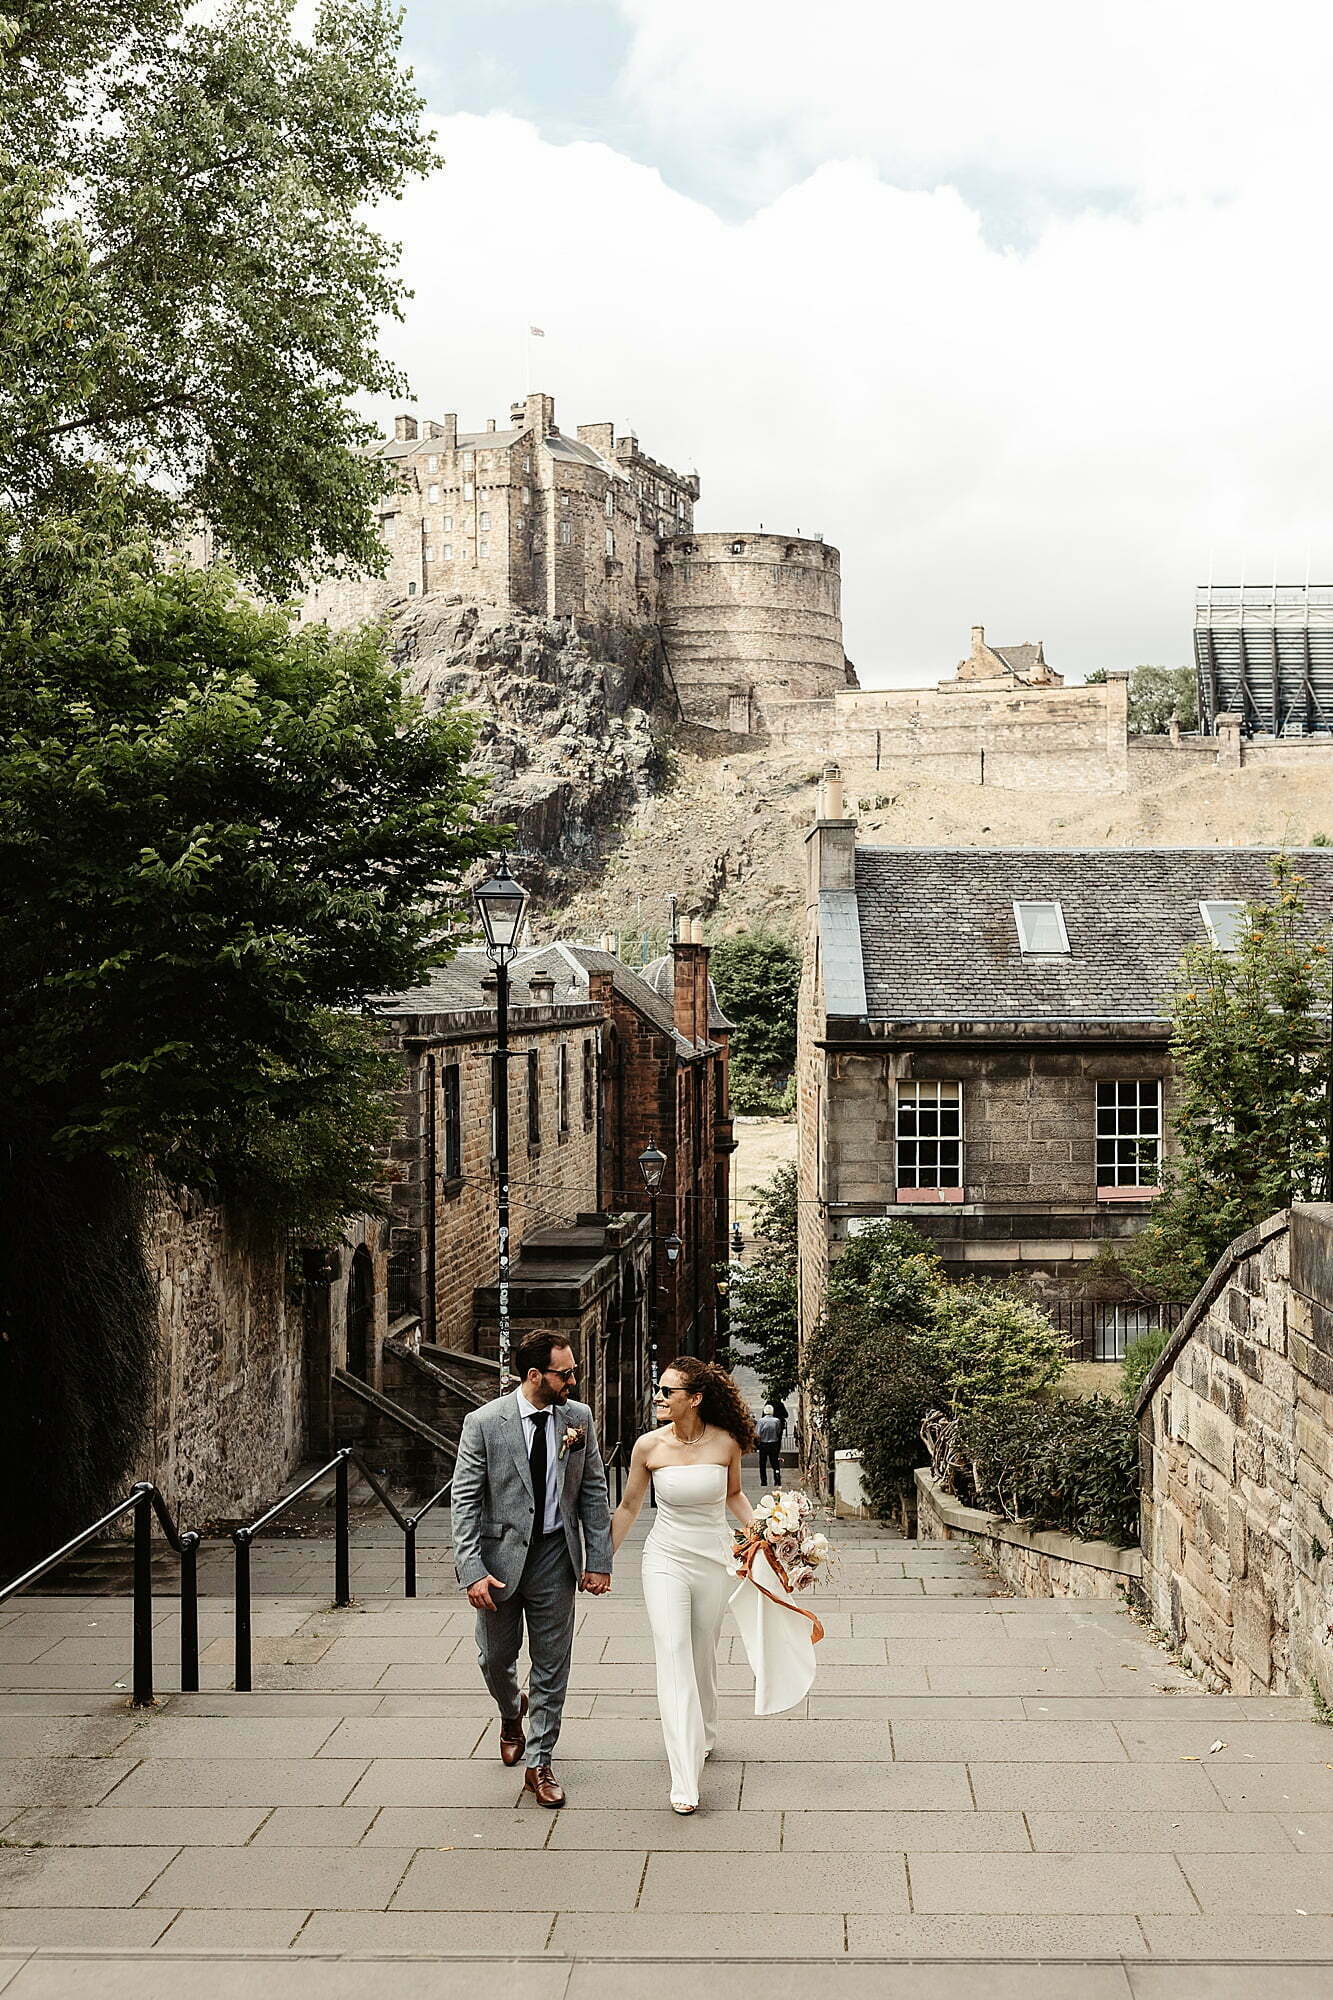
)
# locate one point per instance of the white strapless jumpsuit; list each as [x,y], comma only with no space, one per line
[687,1584]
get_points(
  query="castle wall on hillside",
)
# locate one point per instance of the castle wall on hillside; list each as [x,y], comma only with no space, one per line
[1069,738]
[750,622]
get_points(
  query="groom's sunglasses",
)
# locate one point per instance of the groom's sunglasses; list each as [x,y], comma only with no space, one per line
[564,1374]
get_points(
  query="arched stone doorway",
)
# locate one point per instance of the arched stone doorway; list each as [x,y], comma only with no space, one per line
[360,1313]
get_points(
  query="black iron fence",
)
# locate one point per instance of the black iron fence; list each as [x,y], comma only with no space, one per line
[1101,1329]
[143,1501]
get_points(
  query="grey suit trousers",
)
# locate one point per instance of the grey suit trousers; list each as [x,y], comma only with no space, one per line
[544,1598]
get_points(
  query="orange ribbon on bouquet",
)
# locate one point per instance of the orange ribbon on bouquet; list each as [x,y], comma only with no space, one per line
[746,1553]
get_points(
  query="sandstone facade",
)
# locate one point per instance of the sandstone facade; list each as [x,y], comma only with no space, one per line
[523,518]
[1237,1449]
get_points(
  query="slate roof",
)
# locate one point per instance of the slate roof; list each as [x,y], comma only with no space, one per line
[466,441]
[565,961]
[1021,660]
[939,941]
[661,976]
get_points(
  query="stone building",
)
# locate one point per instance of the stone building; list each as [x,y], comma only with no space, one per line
[524,518]
[1007,666]
[600,1064]
[984,1040]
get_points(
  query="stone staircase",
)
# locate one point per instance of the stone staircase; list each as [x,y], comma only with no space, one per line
[1018,1789]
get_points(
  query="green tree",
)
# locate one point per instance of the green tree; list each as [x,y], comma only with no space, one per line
[193,295]
[758,976]
[763,1292]
[991,1346]
[220,835]
[1158,693]
[871,1375]
[1155,695]
[1250,1054]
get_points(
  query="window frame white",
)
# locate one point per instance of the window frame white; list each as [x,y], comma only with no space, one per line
[1211,923]
[912,1094]
[1060,950]
[1108,1102]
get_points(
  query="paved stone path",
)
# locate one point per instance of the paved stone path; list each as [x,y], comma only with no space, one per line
[977,1778]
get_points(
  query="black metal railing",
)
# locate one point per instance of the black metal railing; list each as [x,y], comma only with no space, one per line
[614,1465]
[1101,1329]
[242,1539]
[143,1501]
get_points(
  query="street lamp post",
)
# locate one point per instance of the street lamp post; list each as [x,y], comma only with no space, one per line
[502,903]
[652,1165]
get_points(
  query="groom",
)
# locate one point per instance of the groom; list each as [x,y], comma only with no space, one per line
[530,1515]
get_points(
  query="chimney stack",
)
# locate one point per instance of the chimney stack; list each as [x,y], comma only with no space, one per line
[404,428]
[689,987]
[831,840]
[541,989]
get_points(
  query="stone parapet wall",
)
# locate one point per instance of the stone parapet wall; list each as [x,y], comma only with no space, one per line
[1071,738]
[1034,1563]
[1237,1446]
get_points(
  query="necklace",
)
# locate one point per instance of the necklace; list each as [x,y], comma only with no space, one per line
[688,1440]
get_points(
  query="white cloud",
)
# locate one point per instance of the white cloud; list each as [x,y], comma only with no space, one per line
[1053,439]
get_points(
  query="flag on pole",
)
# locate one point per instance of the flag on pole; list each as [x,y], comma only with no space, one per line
[537,333]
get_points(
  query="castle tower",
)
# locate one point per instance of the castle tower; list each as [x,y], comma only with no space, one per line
[750,623]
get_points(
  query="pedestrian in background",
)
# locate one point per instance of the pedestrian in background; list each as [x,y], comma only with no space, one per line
[768,1430]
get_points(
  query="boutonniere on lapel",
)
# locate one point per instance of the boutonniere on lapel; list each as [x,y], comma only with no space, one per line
[573,1439]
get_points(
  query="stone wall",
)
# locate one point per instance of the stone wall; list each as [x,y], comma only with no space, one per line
[1068,738]
[1237,1447]
[1033,1562]
[1029,1199]
[239,1380]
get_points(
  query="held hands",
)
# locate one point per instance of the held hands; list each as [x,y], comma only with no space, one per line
[595,1583]
[479,1593]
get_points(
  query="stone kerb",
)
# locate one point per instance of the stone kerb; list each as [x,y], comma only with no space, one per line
[1036,1562]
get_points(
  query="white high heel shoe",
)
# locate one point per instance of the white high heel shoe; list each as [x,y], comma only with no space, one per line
[679,1806]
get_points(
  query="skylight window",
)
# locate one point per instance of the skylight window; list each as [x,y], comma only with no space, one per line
[1223,923]
[1041,929]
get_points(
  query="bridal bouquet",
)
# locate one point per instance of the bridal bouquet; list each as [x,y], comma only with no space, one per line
[781,1531]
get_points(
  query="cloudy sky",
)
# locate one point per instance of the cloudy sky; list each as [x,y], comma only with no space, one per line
[1024,306]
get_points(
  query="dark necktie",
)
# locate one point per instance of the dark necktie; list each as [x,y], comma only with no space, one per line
[537,1462]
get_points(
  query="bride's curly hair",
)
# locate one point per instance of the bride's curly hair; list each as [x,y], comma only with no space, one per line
[721,1401]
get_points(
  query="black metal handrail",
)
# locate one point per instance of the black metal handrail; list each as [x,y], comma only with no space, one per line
[342,1547]
[614,1462]
[145,1501]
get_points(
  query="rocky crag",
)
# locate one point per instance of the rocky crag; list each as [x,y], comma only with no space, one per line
[619,807]
[570,719]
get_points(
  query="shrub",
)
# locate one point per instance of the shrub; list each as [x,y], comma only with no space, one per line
[1140,1357]
[755,1095]
[1073,1466]
[989,1345]
[898,1340]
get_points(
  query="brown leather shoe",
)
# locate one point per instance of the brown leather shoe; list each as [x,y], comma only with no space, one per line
[541,1782]
[513,1742]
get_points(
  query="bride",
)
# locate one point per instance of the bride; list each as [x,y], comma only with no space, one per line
[694,1461]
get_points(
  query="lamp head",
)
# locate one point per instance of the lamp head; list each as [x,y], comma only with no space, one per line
[503,904]
[652,1165]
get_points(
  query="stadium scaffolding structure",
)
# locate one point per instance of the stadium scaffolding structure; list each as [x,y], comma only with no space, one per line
[1265,652]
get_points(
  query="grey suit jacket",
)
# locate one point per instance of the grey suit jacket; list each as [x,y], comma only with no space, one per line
[491,1500]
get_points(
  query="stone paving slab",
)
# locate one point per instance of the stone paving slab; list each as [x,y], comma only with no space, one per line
[974,1777]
